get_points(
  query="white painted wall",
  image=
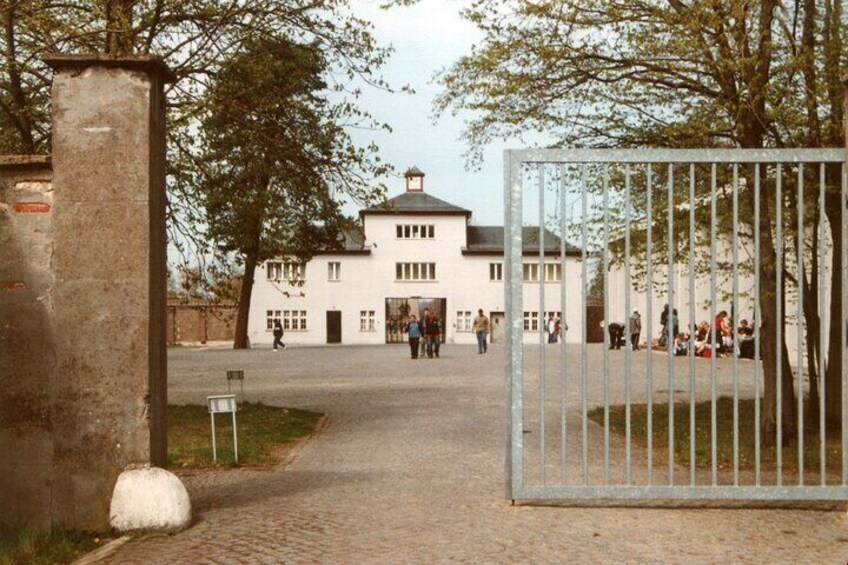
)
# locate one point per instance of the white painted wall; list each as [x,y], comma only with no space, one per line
[367,280]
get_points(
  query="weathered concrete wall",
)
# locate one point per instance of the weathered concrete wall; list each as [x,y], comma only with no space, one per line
[26,339]
[82,296]
[109,288]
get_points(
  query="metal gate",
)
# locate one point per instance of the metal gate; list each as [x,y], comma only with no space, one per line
[706,408]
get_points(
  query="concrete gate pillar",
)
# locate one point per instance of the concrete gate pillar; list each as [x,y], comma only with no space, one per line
[109,265]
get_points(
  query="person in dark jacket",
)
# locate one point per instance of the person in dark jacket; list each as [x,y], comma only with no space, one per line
[616,334]
[278,335]
[431,330]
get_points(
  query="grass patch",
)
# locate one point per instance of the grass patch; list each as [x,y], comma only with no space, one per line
[724,435]
[263,432]
[19,546]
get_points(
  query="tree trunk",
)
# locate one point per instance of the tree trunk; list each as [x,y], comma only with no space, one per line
[836,339]
[767,334]
[119,32]
[240,341]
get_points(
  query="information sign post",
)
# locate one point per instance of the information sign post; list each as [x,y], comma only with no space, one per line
[221,404]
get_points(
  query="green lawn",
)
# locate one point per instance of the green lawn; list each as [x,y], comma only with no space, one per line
[263,433]
[724,435]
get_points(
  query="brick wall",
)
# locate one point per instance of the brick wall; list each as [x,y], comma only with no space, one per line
[190,323]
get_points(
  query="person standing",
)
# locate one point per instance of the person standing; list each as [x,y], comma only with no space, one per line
[423,323]
[664,323]
[551,328]
[481,328]
[413,330]
[635,329]
[278,335]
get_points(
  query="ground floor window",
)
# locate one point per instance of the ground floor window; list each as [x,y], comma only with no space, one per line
[367,322]
[463,321]
[272,316]
[531,321]
[294,320]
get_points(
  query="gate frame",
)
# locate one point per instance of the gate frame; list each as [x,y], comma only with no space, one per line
[514,163]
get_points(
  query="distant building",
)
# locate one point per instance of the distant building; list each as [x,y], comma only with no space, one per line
[416,251]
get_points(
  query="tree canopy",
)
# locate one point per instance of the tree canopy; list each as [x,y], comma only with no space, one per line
[652,73]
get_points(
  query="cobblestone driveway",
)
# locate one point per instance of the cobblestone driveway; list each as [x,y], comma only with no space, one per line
[410,469]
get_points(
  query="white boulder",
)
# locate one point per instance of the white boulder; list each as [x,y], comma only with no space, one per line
[149,499]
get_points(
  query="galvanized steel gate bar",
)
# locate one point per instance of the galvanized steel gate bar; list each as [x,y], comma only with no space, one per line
[772,164]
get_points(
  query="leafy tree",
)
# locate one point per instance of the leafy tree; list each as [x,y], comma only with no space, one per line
[718,73]
[275,152]
[200,40]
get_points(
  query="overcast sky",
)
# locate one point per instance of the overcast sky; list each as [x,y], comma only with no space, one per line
[428,37]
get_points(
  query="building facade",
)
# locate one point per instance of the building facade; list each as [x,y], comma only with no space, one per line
[415,251]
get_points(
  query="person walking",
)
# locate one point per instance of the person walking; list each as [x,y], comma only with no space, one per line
[635,329]
[430,330]
[413,330]
[278,335]
[422,324]
[481,328]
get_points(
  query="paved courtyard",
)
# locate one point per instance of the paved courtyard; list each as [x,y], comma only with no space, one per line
[409,469]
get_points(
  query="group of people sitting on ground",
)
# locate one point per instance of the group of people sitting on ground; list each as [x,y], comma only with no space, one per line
[702,334]
[724,338]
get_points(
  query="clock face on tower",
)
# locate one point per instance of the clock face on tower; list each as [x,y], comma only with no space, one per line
[413,183]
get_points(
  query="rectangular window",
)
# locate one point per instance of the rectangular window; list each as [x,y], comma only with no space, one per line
[294,320]
[463,321]
[531,321]
[531,272]
[495,271]
[415,231]
[272,316]
[553,272]
[284,270]
[334,271]
[367,322]
[275,270]
[415,271]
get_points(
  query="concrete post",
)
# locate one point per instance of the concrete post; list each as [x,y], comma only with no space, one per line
[109,260]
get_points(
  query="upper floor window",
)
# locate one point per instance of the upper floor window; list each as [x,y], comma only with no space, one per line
[531,272]
[334,271]
[415,271]
[553,272]
[495,271]
[416,231]
[284,270]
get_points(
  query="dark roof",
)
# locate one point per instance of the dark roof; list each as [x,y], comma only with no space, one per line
[414,171]
[489,240]
[415,203]
[354,239]
[351,242]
